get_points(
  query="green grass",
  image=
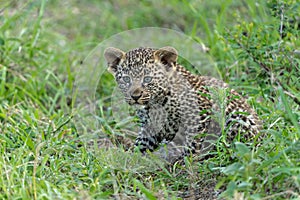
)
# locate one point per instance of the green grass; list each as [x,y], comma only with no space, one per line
[45,155]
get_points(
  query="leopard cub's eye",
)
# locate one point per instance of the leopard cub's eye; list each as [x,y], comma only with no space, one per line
[147,79]
[126,79]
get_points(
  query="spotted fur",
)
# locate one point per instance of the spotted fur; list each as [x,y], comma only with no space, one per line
[186,112]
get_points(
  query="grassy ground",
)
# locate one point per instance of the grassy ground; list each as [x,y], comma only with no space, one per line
[45,156]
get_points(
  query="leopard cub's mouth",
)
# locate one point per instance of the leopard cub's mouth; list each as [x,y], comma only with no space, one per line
[142,100]
[138,101]
[137,98]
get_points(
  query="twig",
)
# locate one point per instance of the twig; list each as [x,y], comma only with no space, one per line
[280,194]
[281,22]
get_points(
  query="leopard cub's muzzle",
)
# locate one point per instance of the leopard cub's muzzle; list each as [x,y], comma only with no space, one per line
[138,96]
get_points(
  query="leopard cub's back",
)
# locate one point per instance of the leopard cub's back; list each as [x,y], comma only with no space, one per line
[235,107]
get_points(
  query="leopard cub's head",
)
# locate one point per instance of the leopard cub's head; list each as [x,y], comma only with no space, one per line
[142,74]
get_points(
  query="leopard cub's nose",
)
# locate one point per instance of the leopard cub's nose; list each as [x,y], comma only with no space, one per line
[136,97]
[136,94]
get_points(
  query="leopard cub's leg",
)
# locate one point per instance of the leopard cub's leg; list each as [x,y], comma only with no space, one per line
[151,130]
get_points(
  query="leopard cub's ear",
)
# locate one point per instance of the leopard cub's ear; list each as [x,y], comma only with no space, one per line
[113,57]
[166,55]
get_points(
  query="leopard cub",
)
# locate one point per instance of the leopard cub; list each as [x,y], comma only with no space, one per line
[179,111]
